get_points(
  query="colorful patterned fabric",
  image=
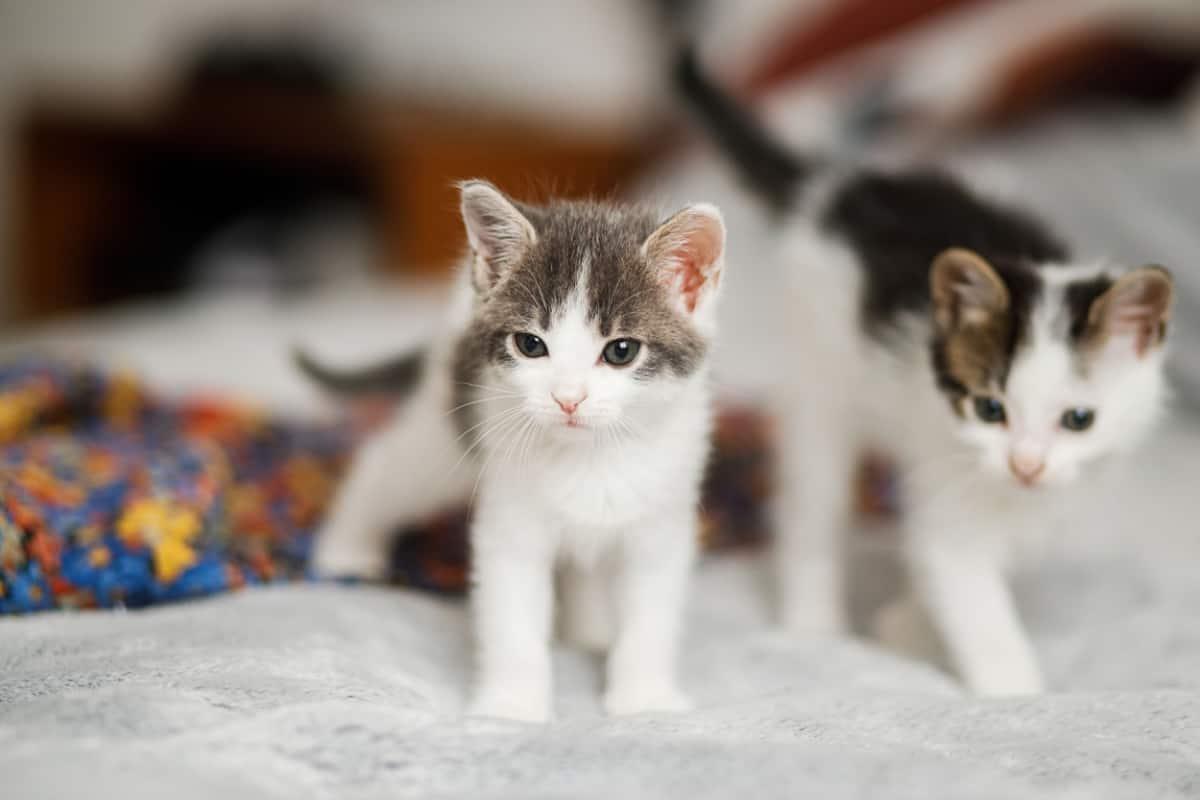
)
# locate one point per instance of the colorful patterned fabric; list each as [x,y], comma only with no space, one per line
[113,497]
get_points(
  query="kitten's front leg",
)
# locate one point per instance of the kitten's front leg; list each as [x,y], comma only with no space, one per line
[651,593]
[512,600]
[815,467]
[969,601]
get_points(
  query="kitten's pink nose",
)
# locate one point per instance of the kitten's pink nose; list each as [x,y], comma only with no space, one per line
[1027,468]
[569,403]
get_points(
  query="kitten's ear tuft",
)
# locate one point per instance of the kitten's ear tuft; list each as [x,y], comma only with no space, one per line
[1137,306]
[966,289]
[688,253]
[499,234]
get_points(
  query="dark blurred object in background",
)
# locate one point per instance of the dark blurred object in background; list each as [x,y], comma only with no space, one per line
[243,197]
[293,61]
[259,140]
[269,147]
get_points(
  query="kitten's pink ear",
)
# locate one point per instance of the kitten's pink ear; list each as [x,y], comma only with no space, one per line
[688,253]
[1137,306]
[966,290]
[499,234]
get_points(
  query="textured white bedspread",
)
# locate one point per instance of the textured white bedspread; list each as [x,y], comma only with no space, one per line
[321,691]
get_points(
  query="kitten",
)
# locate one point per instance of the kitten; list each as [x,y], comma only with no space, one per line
[568,398]
[957,335]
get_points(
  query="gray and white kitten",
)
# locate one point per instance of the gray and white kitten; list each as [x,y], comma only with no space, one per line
[568,397]
[959,336]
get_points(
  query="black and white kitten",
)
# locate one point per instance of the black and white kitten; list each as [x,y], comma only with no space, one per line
[959,336]
[569,393]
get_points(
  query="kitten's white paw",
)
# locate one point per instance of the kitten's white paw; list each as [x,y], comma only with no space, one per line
[520,704]
[639,698]
[335,557]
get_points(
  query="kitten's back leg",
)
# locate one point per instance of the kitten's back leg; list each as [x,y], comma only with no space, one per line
[815,465]
[405,473]
[818,434]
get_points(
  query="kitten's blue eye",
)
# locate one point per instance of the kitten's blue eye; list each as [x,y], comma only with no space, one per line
[529,345]
[990,410]
[1078,419]
[620,352]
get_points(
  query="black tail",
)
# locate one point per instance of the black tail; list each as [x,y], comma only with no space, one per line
[767,166]
[397,376]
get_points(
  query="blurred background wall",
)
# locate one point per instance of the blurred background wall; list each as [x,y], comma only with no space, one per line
[102,105]
[151,147]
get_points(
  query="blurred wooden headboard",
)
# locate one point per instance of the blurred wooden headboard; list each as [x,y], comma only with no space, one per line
[109,197]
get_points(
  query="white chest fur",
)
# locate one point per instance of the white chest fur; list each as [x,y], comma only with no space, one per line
[588,491]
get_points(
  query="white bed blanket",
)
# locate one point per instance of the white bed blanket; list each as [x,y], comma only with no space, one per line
[327,691]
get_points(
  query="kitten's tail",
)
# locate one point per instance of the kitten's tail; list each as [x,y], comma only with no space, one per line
[396,376]
[768,167]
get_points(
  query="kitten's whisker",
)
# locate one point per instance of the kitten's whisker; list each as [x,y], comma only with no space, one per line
[522,437]
[496,397]
[534,431]
[622,429]
[610,435]
[494,389]
[486,420]
[461,406]
[498,419]
[485,392]
[486,463]
[513,440]
[508,426]
[634,429]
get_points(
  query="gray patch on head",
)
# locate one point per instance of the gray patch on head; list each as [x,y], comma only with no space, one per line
[626,298]
[623,296]
[572,237]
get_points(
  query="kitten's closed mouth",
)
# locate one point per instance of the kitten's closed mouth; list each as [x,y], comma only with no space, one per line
[572,426]
[561,422]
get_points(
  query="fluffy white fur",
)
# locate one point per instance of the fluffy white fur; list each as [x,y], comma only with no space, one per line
[607,504]
[967,519]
